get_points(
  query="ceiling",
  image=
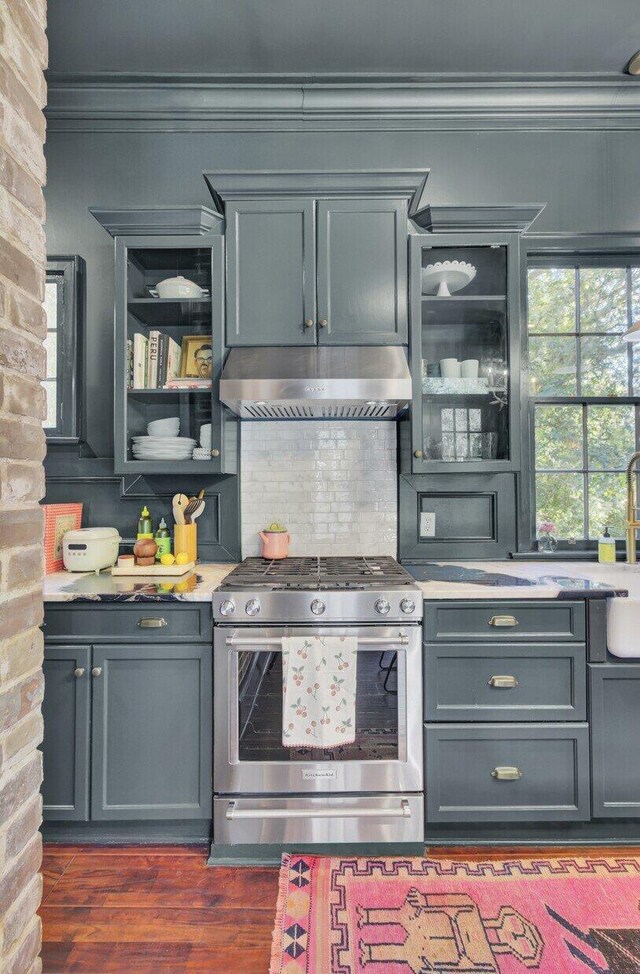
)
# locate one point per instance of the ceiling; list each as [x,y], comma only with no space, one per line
[342,37]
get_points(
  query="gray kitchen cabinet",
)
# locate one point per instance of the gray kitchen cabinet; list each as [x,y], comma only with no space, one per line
[302,271]
[494,682]
[139,397]
[271,272]
[65,748]
[487,620]
[362,272]
[465,423]
[615,756]
[151,738]
[507,772]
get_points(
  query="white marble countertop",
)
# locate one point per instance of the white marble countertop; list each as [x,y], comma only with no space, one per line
[196,586]
[524,579]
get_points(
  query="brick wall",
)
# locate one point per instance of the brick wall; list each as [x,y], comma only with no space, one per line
[23,55]
[332,484]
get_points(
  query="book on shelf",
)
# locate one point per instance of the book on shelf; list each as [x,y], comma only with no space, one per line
[129,363]
[140,349]
[153,360]
[188,383]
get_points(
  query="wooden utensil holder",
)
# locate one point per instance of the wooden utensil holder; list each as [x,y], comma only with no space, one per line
[185,538]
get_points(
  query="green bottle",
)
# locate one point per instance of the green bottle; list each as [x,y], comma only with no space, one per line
[163,540]
[145,525]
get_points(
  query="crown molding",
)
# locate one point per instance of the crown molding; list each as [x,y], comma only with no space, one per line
[516,217]
[115,102]
[158,220]
[247,184]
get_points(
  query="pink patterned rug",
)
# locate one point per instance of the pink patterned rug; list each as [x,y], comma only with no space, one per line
[422,916]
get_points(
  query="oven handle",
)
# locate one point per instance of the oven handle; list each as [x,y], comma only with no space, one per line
[401,640]
[403,810]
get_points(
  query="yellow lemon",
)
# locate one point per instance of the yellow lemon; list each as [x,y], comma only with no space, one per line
[182,558]
[167,559]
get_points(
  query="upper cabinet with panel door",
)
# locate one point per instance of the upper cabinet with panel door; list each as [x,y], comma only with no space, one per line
[317,258]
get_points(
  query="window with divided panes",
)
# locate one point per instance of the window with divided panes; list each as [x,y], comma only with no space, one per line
[584,390]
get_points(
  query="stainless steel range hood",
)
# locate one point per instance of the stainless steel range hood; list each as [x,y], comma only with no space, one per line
[355,382]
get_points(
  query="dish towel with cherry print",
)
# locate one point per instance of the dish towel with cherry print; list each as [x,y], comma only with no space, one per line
[319,690]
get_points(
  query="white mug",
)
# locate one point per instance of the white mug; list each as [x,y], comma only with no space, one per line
[469,368]
[449,368]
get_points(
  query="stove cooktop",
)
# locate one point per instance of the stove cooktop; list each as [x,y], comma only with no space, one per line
[318,574]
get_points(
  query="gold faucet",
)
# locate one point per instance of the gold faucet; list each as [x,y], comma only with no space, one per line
[632,508]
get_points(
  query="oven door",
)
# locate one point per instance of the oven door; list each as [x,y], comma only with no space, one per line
[249,755]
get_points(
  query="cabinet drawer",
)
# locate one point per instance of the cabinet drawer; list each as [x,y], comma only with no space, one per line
[504,621]
[138,621]
[493,681]
[507,772]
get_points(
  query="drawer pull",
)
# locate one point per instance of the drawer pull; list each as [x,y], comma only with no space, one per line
[503,622]
[506,774]
[503,682]
[152,623]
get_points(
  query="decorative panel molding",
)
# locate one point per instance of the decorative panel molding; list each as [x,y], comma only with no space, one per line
[268,103]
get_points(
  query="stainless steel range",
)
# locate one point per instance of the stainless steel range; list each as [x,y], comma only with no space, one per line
[367,790]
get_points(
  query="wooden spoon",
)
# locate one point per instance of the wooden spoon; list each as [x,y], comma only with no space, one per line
[180,502]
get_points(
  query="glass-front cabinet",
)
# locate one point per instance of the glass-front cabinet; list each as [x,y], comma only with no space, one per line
[464,298]
[169,349]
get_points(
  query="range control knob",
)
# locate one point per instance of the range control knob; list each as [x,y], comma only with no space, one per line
[382,606]
[407,605]
[227,608]
[318,607]
[252,608]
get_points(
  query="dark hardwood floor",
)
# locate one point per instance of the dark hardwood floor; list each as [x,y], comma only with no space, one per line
[161,910]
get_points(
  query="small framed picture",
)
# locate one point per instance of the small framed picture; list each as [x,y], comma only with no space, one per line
[196,358]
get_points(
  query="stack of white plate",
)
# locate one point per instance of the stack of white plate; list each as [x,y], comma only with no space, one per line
[162,447]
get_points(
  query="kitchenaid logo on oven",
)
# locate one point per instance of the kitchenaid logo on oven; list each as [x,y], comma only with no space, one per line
[319,774]
[315,388]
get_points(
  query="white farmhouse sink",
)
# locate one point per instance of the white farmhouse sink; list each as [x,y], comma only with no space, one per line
[623,615]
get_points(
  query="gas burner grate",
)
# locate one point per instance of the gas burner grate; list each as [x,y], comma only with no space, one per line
[318,573]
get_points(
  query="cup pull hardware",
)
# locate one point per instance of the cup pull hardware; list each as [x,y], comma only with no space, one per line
[503,682]
[503,622]
[506,774]
[152,623]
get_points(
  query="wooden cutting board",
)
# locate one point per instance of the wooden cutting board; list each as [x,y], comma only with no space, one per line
[153,571]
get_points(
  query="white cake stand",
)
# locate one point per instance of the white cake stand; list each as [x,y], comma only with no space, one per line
[446,276]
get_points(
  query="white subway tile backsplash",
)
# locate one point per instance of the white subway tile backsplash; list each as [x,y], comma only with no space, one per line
[333,484]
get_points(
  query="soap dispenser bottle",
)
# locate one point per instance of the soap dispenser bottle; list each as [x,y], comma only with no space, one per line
[606,548]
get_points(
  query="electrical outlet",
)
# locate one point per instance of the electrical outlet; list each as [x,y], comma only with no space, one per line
[427,524]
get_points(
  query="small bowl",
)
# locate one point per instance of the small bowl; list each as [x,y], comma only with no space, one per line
[164,427]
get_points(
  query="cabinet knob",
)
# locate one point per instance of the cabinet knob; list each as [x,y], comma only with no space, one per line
[503,682]
[308,322]
[418,454]
[78,672]
[215,453]
[96,671]
[323,322]
[506,774]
